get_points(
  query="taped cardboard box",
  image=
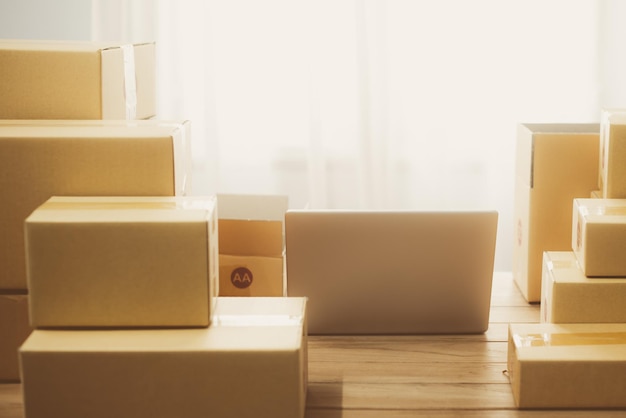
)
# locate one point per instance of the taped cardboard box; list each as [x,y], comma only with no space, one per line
[39,159]
[564,366]
[568,296]
[612,179]
[76,80]
[555,163]
[122,262]
[14,329]
[599,236]
[252,244]
[251,363]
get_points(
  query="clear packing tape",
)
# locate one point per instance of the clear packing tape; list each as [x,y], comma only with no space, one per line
[138,203]
[130,81]
[569,339]
[603,210]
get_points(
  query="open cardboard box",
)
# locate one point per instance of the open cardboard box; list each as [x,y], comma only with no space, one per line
[612,179]
[251,244]
[555,163]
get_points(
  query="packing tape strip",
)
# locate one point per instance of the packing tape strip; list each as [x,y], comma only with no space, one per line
[569,339]
[189,203]
[130,81]
[563,264]
[602,210]
[182,160]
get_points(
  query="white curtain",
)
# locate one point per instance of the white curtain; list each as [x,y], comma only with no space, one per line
[399,104]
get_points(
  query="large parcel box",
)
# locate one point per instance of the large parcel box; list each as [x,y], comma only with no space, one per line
[612,179]
[555,164]
[252,244]
[568,296]
[40,159]
[76,80]
[122,261]
[568,365]
[251,363]
[599,236]
[14,329]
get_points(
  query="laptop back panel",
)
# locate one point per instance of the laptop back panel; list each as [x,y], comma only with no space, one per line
[374,272]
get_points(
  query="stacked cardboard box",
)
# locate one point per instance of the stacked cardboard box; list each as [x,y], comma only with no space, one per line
[112,262]
[569,296]
[14,329]
[250,363]
[60,82]
[575,357]
[122,262]
[128,286]
[568,366]
[76,80]
[42,158]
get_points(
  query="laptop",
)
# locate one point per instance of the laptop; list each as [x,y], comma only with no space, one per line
[383,272]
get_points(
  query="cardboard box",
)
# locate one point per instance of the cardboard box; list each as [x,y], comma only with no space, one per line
[39,159]
[252,244]
[612,180]
[122,262]
[555,164]
[76,80]
[14,329]
[568,365]
[568,296]
[252,362]
[599,236]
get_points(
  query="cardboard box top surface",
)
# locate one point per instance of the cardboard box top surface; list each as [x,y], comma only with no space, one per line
[90,129]
[59,45]
[93,122]
[562,128]
[601,210]
[569,342]
[261,307]
[261,326]
[80,209]
[565,269]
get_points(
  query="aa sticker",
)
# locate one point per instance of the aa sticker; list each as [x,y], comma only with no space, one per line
[241,277]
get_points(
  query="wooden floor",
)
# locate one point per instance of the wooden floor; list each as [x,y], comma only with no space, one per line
[408,376]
